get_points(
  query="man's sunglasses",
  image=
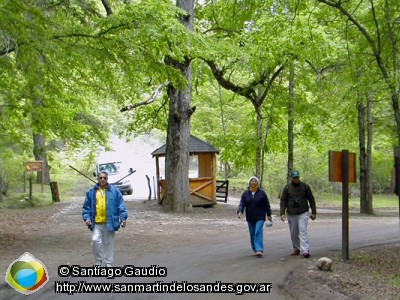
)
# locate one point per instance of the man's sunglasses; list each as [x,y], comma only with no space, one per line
[102,177]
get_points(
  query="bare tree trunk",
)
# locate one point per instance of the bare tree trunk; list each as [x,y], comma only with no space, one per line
[363,156]
[223,123]
[290,120]
[177,194]
[265,146]
[259,143]
[39,151]
[369,206]
[366,191]
[39,145]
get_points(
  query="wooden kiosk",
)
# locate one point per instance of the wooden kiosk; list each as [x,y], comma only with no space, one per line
[202,172]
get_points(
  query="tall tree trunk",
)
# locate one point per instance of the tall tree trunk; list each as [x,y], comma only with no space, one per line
[39,151]
[177,194]
[369,206]
[259,142]
[39,144]
[265,146]
[363,156]
[365,146]
[290,120]
[225,163]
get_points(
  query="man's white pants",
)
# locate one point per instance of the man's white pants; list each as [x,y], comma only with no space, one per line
[100,236]
[298,231]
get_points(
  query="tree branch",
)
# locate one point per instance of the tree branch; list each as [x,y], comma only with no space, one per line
[320,71]
[371,42]
[7,50]
[148,101]
[219,75]
[393,40]
[99,34]
[107,7]
[6,41]
[271,81]
[338,5]
[248,91]
[220,29]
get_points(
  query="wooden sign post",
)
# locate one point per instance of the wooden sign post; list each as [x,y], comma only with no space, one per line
[342,168]
[31,166]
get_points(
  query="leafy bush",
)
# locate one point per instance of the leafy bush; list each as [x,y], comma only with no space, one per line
[12,170]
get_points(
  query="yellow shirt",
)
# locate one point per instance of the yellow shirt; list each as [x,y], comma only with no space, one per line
[101,206]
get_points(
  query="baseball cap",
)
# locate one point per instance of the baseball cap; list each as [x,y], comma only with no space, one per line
[294,173]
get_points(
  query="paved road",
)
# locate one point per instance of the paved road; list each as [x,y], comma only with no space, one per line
[230,261]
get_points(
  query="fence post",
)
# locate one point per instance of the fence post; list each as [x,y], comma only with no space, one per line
[54,191]
[30,189]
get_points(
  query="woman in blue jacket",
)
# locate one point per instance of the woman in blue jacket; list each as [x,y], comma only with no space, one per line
[256,203]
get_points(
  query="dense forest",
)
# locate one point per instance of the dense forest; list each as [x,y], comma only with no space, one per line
[274,85]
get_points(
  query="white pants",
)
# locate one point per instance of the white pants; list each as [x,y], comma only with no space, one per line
[298,231]
[100,236]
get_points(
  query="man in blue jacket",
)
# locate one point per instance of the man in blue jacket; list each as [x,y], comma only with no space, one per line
[104,212]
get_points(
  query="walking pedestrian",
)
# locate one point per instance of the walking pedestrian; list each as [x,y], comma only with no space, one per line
[296,200]
[255,201]
[104,212]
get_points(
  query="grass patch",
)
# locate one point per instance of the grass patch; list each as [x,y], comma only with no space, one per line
[335,200]
[238,184]
[19,201]
[69,185]
[385,201]
[331,200]
[378,201]
[72,185]
[381,264]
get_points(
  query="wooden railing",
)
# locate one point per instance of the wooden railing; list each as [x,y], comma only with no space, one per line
[222,189]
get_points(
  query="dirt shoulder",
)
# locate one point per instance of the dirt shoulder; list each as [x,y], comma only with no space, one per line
[57,233]
[371,273]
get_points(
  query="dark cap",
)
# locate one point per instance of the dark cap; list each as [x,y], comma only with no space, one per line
[294,173]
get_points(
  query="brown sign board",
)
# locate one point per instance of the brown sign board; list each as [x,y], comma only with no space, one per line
[336,166]
[34,165]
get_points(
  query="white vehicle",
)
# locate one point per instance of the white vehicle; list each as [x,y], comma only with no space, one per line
[117,176]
